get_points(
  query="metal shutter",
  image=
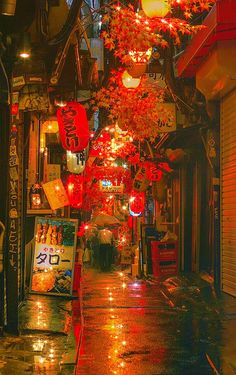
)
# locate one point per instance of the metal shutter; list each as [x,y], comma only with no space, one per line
[228,193]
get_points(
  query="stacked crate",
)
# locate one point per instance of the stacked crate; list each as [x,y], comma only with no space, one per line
[164,257]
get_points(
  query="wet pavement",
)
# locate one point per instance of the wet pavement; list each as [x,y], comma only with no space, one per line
[147,328]
[125,326]
[50,332]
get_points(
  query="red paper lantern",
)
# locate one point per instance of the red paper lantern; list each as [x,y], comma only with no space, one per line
[136,202]
[75,190]
[130,222]
[15,109]
[73,127]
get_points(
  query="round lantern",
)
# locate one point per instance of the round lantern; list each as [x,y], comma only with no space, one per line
[156,8]
[73,127]
[136,203]
[76,161]
[129,82]
[75,190]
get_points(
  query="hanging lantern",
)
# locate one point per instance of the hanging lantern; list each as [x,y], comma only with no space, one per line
[73,127]
[136,203]
[156,8]
[136,70]
[75,190]
[35,196]
[129,82]
[76,161]
[134,214]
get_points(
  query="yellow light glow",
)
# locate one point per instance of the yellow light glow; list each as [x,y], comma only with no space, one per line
[121,273]
[129,82]
[141,56]
[70,186]
[124,343]
[124,285]
[25,55]
[156,8]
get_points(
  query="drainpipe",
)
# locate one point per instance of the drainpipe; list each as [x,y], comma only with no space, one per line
[7,7]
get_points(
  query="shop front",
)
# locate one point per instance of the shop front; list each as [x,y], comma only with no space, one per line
[211,58]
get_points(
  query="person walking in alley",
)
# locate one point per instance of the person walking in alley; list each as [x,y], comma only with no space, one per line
[105,238]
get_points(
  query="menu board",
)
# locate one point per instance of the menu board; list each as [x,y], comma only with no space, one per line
[53,256]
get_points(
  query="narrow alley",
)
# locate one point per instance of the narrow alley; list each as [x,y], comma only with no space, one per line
[133,327]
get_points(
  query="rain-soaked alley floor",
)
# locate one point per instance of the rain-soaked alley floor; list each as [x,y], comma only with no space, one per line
[134,328]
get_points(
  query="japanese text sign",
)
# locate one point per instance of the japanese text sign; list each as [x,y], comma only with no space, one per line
[53,259]
[56,194]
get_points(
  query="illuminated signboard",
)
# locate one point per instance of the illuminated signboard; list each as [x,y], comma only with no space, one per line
[107,187]
[53,257]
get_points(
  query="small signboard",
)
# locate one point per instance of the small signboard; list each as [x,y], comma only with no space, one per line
[107,187]
[170,125]
[53,256]
[126,256]
[56,194]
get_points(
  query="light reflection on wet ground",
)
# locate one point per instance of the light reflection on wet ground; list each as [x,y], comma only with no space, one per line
[130,328]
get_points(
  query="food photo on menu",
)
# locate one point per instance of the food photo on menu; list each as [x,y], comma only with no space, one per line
[53,256]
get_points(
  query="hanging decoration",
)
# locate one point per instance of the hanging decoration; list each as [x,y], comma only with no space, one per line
[75,190]
[127,30]
[76,161]
[73,127]
[133,109]
[35,195]
[136,203]
[141,182]
[153,173]
[101,143]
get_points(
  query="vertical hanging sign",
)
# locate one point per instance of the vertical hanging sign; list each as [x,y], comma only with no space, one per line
[13,229]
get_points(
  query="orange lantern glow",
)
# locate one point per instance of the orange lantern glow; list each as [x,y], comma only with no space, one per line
[129,82]
[75,190]
[156,8]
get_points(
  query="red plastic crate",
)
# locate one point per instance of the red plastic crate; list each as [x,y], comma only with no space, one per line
[164,257]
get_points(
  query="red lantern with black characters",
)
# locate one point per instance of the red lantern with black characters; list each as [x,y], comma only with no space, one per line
[73,127]
[136,202]
[75,190]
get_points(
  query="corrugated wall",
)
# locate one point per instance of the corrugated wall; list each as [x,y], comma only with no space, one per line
[228,193]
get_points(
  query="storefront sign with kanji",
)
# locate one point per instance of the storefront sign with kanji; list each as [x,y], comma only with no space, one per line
[53,259]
